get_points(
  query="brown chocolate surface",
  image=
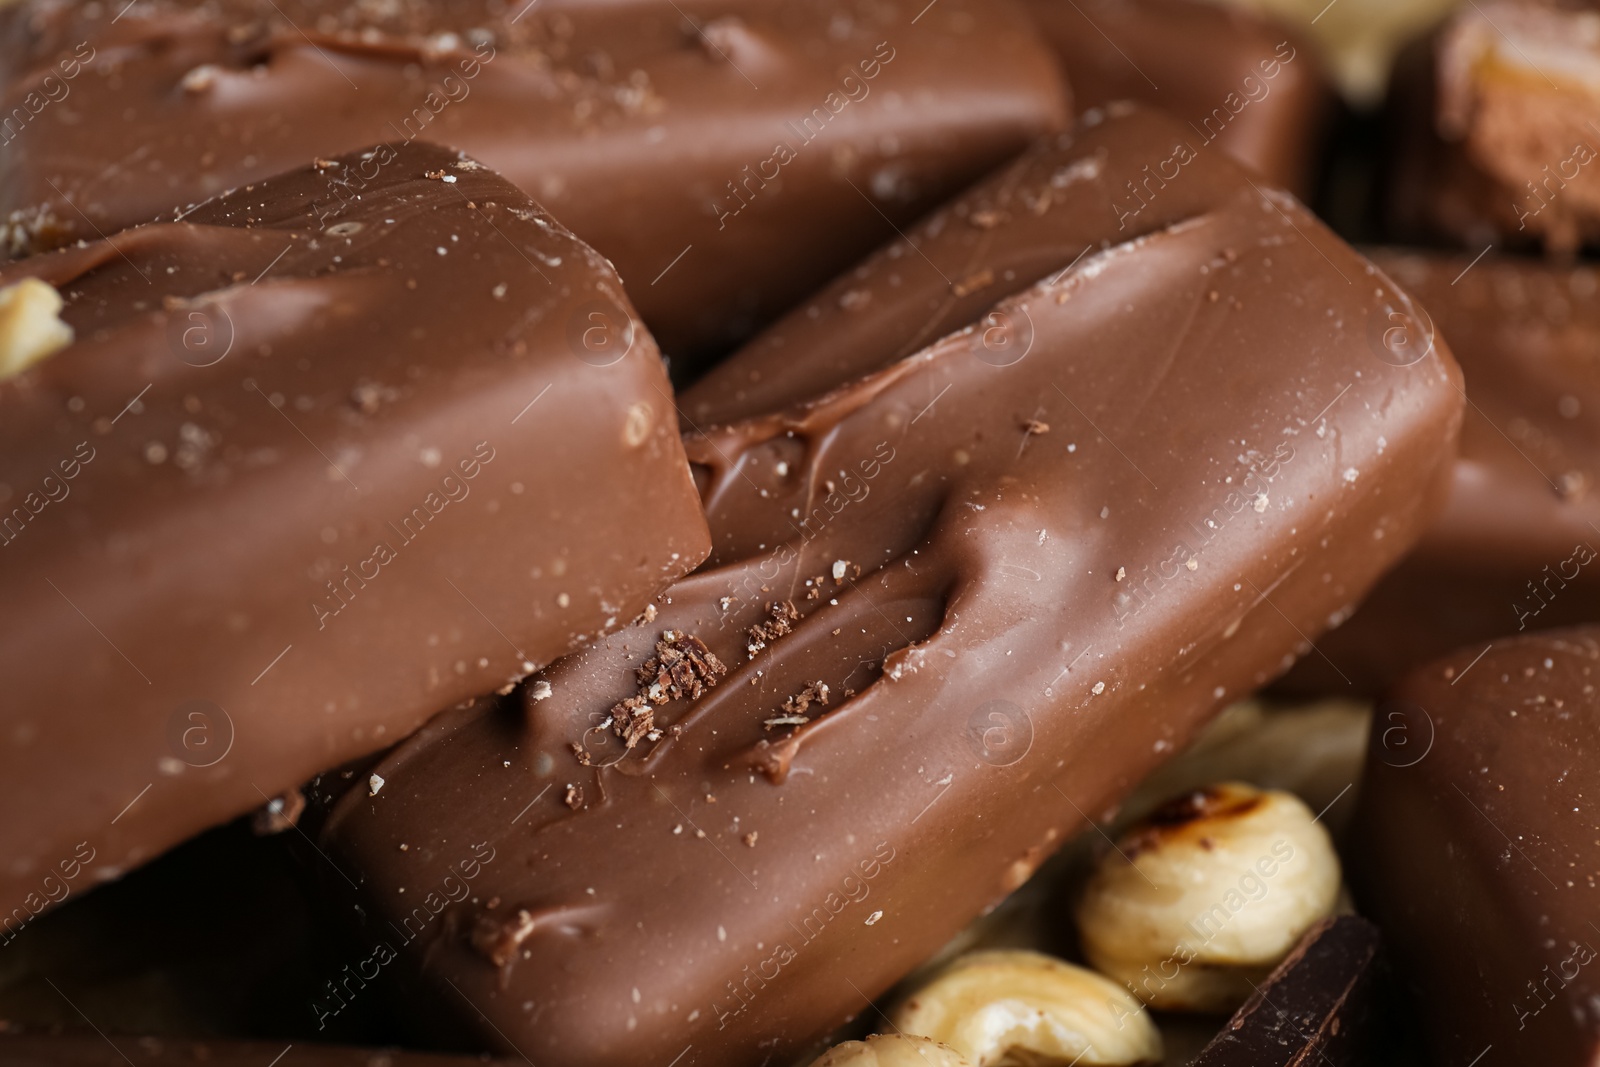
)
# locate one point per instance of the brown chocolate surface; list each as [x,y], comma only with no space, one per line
[1241,81]
[1026,561]
[1322,1005]
[1515,548]
[91,1050]
[1479,846]
[727,155]
[289,493]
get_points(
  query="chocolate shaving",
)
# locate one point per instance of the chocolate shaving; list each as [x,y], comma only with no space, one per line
[499,939]
[783,617]
[682,667]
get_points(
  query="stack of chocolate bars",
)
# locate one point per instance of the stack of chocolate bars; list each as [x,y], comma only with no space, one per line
[740,533]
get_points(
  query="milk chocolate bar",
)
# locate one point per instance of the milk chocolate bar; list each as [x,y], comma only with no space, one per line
[1322,1005]
[1241,81]
[727,156]
[1496,132]
[956,607]
[290,491]
[1515,548]
[1477,844]
[91,1050]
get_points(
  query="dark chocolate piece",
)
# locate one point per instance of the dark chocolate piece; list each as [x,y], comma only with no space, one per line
[1321,1006]
[1241,80]
[92,1050]
[291,492]
[1496,138]
[1478,846]
[727,156]
[1515,548]
[1027,562]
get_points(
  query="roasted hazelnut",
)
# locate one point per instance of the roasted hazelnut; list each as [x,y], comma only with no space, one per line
[1206,894]
[1013,1006]
[30,326]
[891,1050]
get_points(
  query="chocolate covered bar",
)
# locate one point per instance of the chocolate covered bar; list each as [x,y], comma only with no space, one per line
[290,491]
[1515,547]
[1322,1005]
[727,156]
[1496,136]
[1242,82]
[965,592]
[1477,845]
[91,1050]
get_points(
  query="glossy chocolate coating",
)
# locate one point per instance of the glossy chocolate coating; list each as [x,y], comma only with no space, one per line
[1321,1005]
[766,144]
[938,543]
[1515,547]
[1242,81]
[1478,846]
[364,507]
[91,1050]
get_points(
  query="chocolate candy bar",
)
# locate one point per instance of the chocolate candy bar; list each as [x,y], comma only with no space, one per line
[1477,845]
[1515,547]
[1322,1005]
[955,607]
[1242,82]
[291,491]
[63,1050]
[727,156]
[1496,138]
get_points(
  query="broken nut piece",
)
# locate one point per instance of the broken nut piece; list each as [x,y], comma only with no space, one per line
[891,1050]
[1013,1006]
[1206,894]
[30,325]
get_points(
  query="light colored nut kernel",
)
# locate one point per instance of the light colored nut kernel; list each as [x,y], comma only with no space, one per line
[1312,750]
[891,1050]
[30,326]
[1206,894]
[1012,1006]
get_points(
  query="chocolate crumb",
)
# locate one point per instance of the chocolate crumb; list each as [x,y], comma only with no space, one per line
[499,939]
[750,839]
[278,814]
[574,797]
[783,617]
[682,666]
[584,759]
[1036,428]
[973,282]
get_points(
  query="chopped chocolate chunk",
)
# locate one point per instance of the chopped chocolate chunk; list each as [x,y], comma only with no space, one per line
[682,666]
[782,620]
